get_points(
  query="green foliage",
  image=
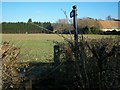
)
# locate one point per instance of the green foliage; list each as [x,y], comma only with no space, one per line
[48,26]
[22,27]
[91,30]
[30,20]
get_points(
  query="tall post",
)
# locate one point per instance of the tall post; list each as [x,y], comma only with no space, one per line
[75,25]
[73,14]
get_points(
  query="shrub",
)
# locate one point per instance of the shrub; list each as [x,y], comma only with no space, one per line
[97,64]
[10,66]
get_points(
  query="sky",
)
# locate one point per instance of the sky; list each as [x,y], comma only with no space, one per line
[52,11]
[59,0]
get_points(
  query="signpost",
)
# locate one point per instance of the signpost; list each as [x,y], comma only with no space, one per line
[73,14]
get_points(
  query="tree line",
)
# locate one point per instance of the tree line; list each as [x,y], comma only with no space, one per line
[29,27]
[85,26]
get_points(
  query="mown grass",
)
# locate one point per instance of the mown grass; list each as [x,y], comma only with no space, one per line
[38,47]
[33,47]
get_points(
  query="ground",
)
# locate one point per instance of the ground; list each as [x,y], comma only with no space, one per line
[38,47]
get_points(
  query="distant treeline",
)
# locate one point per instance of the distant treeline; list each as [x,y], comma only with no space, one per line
[22,27]
[61,27]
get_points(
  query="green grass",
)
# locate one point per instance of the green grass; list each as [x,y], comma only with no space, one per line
[33,47]
[37,47]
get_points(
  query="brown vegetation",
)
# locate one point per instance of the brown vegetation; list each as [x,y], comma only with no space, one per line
[9,66]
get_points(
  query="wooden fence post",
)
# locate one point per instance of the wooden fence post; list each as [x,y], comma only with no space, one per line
[56,55]
[56,63]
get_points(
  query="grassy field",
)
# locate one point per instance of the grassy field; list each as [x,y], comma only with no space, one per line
[37,47]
